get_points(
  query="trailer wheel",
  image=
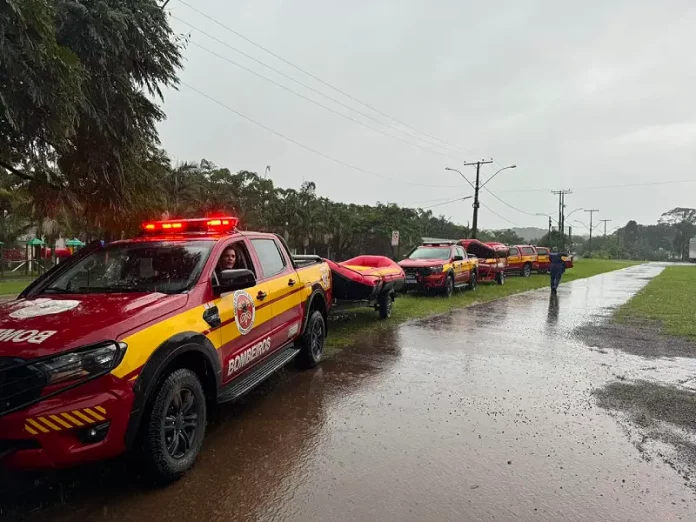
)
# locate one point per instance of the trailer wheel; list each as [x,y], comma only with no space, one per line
[500,278]
[386,301]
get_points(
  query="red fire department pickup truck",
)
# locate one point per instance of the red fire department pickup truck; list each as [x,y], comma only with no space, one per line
[521,260]
[127,345]
[441,266]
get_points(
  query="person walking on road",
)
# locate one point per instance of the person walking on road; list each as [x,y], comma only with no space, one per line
[557,269]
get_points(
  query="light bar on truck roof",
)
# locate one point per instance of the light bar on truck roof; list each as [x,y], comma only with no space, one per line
[210,225]
[446,242]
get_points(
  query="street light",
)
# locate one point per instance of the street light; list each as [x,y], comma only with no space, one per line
[494,175]
[574,211]
[477,187]
[581,223]
[462,175]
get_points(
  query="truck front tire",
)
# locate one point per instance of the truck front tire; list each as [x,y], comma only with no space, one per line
[175,426]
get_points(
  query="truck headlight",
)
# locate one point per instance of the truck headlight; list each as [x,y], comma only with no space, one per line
[84,363]
[436,269]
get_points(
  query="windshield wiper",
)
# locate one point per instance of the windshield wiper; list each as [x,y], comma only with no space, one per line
[54,290]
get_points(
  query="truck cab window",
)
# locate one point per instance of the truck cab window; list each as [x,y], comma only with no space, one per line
[272,262]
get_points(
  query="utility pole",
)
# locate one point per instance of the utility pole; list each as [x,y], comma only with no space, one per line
[605,221]
[561,214]
[477,186]
[548,237]
[591,211]
[570,240]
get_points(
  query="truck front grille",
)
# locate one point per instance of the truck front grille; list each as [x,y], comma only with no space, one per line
[20,384]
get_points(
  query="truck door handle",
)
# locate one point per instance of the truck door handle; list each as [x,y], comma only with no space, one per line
[261,295]
[291,282]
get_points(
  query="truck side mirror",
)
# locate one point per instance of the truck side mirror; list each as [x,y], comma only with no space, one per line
[457,258]
[235,279]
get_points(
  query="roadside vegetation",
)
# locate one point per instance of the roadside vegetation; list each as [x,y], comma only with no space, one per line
[12,285]
[345,328]
[667,302]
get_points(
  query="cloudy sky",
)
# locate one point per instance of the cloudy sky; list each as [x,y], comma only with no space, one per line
[597,97]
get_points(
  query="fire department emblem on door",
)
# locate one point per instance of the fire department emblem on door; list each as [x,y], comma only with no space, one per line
[244,311]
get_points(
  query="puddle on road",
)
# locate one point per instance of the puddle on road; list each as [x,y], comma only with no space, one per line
[659,419]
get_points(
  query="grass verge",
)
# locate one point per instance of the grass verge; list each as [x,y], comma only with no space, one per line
[345,328]
[12,286]
[666,302]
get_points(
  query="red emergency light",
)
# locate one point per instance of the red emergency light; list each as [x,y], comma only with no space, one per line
[197,225]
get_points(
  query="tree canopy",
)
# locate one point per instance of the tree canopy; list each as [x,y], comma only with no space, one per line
[80,82]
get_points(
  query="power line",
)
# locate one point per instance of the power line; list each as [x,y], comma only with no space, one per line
[297,67]
[446,202]
[420,202]
[319,104]
[306,147]
[597,187]
[298,82]
[508,204]
[501,217]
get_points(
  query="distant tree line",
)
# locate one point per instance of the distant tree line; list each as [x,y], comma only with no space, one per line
[667,240]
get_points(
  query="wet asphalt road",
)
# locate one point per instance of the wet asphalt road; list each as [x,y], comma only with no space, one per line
[483,414]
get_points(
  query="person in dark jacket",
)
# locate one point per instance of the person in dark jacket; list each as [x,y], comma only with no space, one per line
[557,269]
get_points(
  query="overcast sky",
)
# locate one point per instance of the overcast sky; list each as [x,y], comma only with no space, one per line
[597,94]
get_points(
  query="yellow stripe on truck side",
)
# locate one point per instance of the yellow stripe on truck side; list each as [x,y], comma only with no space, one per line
[142,343]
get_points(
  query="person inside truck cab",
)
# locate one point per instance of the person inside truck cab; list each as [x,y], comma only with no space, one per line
[228,259]
[234,257]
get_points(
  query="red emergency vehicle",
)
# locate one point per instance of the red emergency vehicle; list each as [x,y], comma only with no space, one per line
[492,260]
[439,266]
[522,259]
[127,345]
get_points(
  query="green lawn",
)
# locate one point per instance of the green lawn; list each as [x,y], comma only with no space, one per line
[669,301]
[365,320]
[11,286]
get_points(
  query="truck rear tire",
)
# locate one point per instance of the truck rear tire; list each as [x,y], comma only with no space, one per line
[312,343]
[174,426]
[472,281]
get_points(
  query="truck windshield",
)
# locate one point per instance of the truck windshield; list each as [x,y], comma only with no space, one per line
[167,267]
[430,253]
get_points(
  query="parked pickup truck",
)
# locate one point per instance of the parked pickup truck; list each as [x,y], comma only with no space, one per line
[126,346]
[521,260]
[441,266]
